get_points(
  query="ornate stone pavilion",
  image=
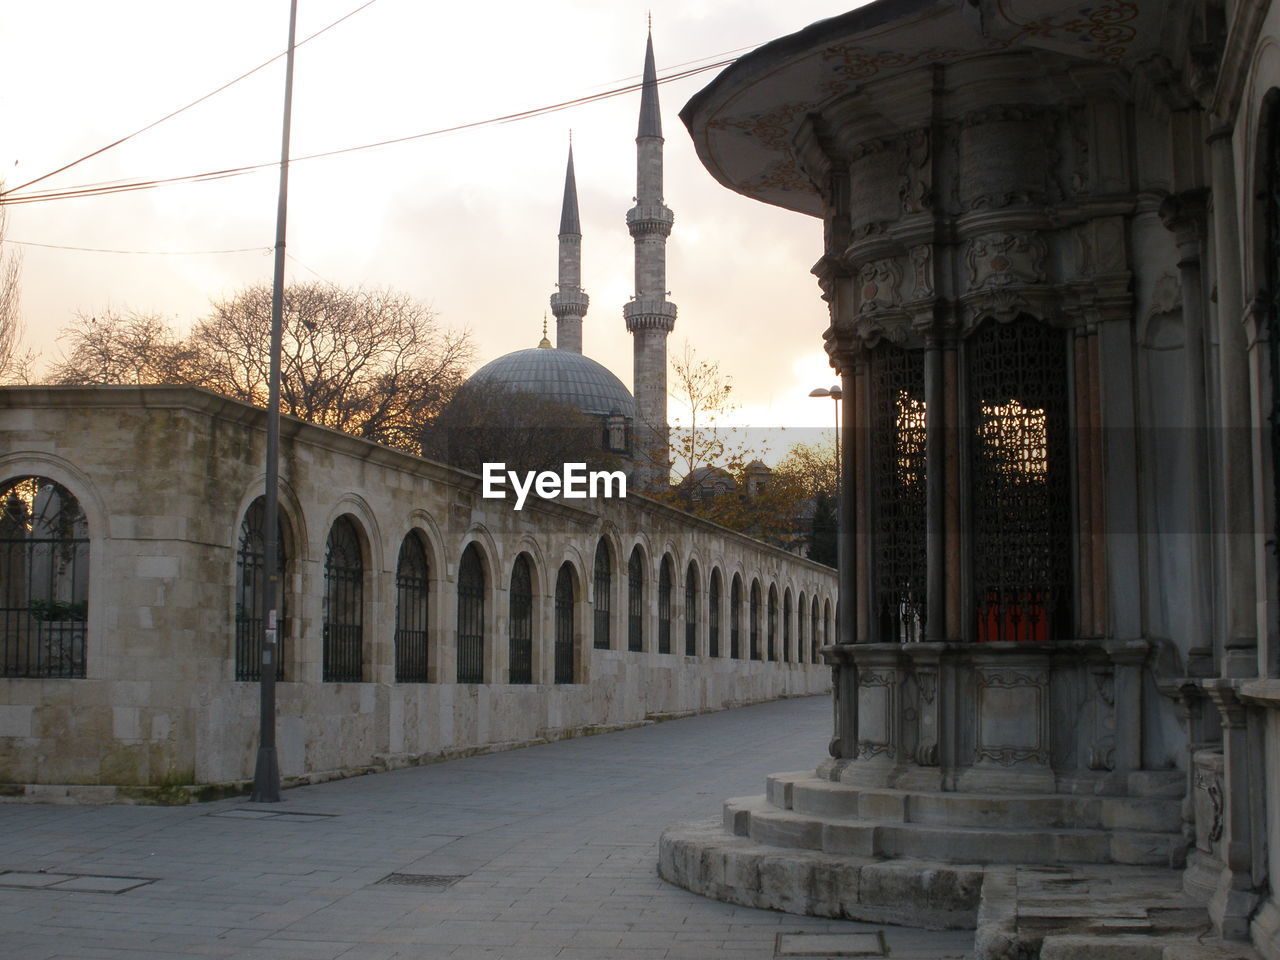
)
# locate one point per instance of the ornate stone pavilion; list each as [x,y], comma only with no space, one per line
[1052,251]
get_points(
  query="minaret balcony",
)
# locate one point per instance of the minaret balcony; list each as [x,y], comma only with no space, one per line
[649,314]
[650,218]
[569,303]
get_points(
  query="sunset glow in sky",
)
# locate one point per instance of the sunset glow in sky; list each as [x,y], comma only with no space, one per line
[466,222]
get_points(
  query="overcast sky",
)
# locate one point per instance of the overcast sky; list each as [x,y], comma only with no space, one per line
[466,222]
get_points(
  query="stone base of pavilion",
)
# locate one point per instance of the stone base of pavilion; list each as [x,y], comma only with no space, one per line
[1055,876]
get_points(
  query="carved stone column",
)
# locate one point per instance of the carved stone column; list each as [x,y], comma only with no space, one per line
[1235,898]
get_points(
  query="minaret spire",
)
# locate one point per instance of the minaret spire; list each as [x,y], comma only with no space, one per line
[650,315]
[569,302]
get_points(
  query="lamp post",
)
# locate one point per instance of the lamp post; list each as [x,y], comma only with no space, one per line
[266,773]
[842,562]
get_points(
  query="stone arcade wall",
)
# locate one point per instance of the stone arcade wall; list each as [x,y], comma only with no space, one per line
[165,475]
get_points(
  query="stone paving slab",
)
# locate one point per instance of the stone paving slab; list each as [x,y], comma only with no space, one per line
[557,843]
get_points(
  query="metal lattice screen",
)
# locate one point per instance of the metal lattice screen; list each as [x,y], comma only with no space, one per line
[713,615]
[735,619]
[754,624]
[251,567]
[343,604]
[564,625]
[1020,485]
[44,576]
[603,589]
[520,623]
[772,632]
[470,617]
[635,602]
[786,626]
[664,606]
[412,591]
[898,475]
[691,611]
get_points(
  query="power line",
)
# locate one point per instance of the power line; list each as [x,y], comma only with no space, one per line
[153,253]
[113,187]
[170,116]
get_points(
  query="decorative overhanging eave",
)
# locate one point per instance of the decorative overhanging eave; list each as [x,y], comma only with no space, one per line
[747,124]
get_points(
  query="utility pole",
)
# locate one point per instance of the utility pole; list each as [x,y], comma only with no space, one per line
[266,774]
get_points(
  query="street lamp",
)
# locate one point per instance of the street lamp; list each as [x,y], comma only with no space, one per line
[835,393]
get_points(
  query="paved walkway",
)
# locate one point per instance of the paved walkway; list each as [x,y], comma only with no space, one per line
[555,845]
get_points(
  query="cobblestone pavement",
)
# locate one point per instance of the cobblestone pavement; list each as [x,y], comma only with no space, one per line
[555,846]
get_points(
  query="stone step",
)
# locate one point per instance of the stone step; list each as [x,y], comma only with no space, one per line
[756,818]
[1134,947]
[706,859]
[807,794]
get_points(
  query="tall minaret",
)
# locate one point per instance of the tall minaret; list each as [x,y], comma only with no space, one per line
[569,302]
[650,315]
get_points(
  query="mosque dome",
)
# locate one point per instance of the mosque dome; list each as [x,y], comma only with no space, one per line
[562,376]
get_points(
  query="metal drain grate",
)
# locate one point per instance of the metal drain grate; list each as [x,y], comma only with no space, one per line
[830,945]
[432,881]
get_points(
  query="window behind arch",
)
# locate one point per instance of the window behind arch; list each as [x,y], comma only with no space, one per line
[603,589]
[413,580]
[520,623]
[564,625]
[343,604]
[754,623]
[470,617]
[251,569]
[664,606]
[735,619]
[1020,481]
[814,635]
[713,615]
[691,611]
[773,623]
[786,626]
[635,602]
[44,576]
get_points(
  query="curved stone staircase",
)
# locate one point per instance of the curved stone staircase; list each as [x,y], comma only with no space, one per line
[1050,875]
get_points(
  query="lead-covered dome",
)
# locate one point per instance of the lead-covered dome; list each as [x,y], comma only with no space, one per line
[561,376]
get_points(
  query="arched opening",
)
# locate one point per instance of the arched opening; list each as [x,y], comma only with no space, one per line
[603,589]
[754,620]
[773,623]
[801,652]
[520,623]
[713,615]
[44,576]
[735,618]
[635,601]
[471,616]
[343,604]
[664,605]
[786,626]
[814,631]
[564,625]
[251,577]
[413,581]
[826,622]
[691,610]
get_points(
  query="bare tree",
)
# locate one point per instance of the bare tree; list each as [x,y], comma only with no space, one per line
[115,347]
[15,360]
[705,392]
[374,363]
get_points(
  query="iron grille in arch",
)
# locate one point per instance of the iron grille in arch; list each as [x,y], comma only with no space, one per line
[713,615]
[1272,277]
[635,602]
[251,568]
[603,587]
[898,484]
[470,617]
[343,604]
[664,606]
[520,623]
[735,619]
[412,583]
[691,611]
[564,625]
[44,580]
[1019,481]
